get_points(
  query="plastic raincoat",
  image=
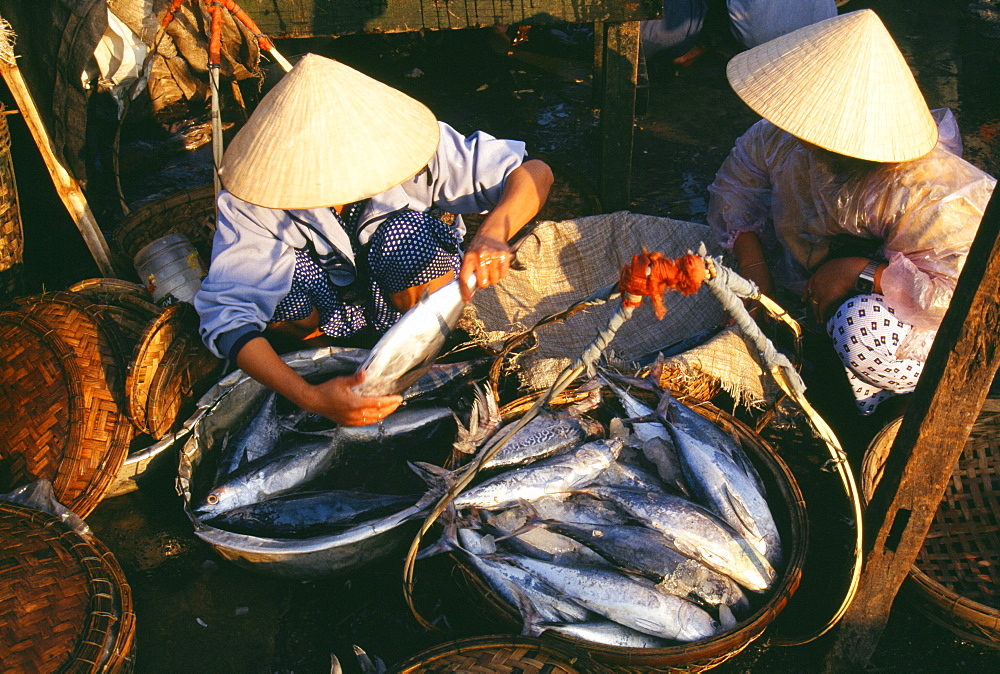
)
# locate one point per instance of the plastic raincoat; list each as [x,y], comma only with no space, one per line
[924,214]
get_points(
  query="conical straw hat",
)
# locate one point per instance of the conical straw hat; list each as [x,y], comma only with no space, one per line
[327,135]
[841,84]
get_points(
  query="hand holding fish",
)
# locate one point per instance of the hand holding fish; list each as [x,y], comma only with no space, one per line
[335,398]
[488,259]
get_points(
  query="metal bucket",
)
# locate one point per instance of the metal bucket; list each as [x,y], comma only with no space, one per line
[170,268]
[226,405]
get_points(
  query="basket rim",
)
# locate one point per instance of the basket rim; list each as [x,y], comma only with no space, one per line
[494,641]
[102,572]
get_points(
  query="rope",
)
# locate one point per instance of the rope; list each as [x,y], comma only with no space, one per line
[729,287]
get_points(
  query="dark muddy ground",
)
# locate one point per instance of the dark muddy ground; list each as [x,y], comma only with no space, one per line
[196,611]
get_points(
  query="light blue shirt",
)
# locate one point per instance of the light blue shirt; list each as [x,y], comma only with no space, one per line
[253,252]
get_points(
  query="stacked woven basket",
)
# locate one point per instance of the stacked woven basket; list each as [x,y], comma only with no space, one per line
[955,580]
[85,375]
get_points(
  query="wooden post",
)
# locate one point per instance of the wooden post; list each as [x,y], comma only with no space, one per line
[67,187]
[947,401]
[621,66]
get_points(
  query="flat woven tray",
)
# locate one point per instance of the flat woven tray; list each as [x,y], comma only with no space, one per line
[184,374]
[92,464]
[955,580]
[64,601]
[516,655]
[42,431]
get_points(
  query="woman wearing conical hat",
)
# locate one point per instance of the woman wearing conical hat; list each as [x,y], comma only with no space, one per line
[329,221]
[850,195]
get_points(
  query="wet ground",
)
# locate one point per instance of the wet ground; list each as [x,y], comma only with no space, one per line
[196,611]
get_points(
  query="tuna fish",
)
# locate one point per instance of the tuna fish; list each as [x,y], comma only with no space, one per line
[632,602]
[307,514]
[696,532]
[257,438]
[408,349]
[724,487]
[557,474]
[305,457]
[548,434]
[646,552]
[607,633]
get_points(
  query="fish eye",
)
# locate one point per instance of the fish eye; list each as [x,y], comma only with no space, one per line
[212,499]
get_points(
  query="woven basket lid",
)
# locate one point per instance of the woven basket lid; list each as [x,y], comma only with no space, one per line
[501,653]
[186,372]
[100,290]
[190,212]
[89,469]
[841,84]
[64,601]
[325,135]
[159,337]
[41,401]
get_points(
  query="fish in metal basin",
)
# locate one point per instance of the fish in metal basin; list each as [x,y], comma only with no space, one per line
[305,457]
[406,351]
[307,514]
[724,487]
[557,474]
[696,532]
[647,552]
[632,602]
[605,632]
[256,438]
[536,601]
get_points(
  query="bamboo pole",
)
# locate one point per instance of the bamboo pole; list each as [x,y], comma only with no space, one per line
[67,187]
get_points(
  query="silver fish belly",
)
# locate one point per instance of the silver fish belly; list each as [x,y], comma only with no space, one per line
[406,351]
[548,434]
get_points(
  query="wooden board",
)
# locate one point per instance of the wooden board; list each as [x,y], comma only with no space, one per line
[312,18]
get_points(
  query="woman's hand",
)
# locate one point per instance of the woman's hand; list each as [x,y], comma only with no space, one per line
[335,399]
[832,283]
[488,258]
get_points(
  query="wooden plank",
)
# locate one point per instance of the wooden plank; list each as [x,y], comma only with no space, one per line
[67,187]
[312,18]
[947,401]
[621,66]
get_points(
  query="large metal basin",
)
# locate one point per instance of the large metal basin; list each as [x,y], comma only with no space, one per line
[226,406]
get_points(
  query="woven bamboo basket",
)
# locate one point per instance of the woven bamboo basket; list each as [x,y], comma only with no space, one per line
[186,372]
[501,653]
[190,212]
[93,458]
[703,655]
[158,338]
[126,305]
[65,605]
[955,580]
[11,231]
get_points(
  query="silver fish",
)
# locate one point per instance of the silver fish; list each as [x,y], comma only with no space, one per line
[406,351]
[696,532]
[548,434]
[633,602]
[307,514]
[621,474]
[607,633]
[677,414]
[538,542]
[557,474]
[536,601]
[305,458]
[257,438]
[723,486]
[647,552]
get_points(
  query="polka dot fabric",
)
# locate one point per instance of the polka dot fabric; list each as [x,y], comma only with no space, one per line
[407,250]
[866,335]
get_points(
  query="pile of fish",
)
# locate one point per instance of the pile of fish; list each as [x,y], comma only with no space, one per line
[644,533]
[287,474]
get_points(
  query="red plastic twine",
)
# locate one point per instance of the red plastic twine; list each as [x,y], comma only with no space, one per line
[215,43]
[651,275]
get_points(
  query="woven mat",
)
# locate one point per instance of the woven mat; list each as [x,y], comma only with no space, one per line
[561,263]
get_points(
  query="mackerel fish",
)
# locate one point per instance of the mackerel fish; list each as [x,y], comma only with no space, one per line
[605,632]
[306,457]
[548,434]
[632,602]
[257,438]
[696,532]
[511,526]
